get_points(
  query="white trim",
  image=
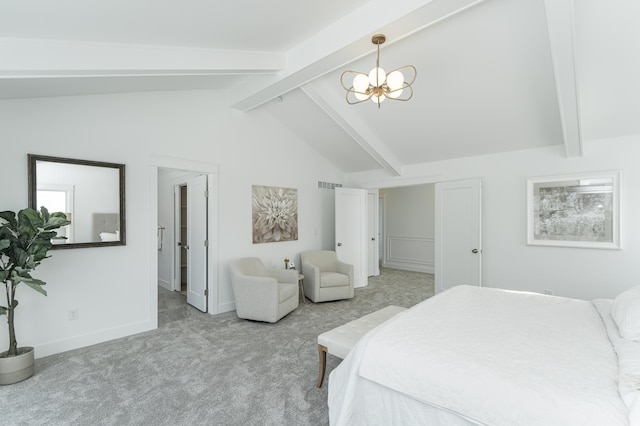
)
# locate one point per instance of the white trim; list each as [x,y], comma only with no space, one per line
[165,284]
[421,260]
[93,338]
[401,182]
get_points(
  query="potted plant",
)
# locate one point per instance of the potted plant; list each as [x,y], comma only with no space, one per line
[25,239]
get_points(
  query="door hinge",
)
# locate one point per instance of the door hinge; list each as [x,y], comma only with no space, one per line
[206,193]
[206,243]
[206,291]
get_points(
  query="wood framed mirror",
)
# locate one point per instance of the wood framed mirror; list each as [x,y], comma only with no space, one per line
[91,193]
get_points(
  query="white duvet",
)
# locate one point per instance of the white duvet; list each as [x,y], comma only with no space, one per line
[482,356]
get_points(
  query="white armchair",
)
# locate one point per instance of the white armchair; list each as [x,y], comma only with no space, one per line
[325,277]
[263,294]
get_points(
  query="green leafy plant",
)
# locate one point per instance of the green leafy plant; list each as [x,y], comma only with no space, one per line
[25,239]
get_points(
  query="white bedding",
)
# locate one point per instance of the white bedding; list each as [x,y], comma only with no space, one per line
[474,355]
[628,352]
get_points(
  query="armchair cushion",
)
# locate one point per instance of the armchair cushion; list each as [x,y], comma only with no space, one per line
[333,279]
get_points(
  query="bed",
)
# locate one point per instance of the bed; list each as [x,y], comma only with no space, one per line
[483,356]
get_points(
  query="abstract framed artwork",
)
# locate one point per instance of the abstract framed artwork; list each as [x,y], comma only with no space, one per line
[581,210]
[275,214]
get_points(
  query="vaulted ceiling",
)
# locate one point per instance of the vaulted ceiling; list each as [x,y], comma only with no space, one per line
[493,75]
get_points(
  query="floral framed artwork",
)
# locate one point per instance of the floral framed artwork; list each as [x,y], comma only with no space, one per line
[581,210]
[275,214]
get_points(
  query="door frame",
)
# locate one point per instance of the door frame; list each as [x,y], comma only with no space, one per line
[190,166]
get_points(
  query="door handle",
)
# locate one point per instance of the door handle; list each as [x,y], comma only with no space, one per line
[474,251]
[339,244]
[373,238]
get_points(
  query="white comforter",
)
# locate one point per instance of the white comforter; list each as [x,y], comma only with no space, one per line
[483,356]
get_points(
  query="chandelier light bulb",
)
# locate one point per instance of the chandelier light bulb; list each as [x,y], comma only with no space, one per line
[395,80]
[377,77]
[378,99]
[361,83]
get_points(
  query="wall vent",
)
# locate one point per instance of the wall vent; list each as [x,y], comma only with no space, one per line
[328,185]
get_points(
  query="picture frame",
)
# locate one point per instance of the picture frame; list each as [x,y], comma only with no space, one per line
[577,210]
[274,214]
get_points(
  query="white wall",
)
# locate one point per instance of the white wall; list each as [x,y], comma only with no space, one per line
[110,286]
[507,261]
[409,228]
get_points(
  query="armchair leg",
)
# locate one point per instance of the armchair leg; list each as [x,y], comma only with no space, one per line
[322,354]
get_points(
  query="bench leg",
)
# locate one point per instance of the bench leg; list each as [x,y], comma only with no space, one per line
[322,364]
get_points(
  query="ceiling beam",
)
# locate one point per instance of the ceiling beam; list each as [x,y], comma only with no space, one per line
[39,57]
[344,116]
[560,25]
[345,41]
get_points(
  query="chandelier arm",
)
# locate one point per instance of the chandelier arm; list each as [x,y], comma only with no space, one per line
[344,86]
[408,94]
[368,95]
[411,67]
[356,101]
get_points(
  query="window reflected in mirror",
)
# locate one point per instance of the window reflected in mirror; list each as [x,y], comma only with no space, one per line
[90,193]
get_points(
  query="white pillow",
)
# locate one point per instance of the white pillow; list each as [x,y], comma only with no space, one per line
[108,236]
[625,311]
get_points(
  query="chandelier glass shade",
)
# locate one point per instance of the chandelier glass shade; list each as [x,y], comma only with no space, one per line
[377,85]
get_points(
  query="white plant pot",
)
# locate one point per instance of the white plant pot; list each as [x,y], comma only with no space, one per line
[16,368]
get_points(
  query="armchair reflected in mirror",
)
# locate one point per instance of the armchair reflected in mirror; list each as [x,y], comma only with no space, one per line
[91,193]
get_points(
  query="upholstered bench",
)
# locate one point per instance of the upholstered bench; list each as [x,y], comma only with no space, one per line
[340,340]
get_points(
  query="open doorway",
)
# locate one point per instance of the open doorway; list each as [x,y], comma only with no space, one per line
[164,245]
[407,227]
[180,234]
[182,214]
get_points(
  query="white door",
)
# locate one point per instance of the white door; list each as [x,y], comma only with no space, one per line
[197,242]
[458,254]
[373,267]
[351,231]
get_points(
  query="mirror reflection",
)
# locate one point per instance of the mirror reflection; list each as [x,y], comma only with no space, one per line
[90,193]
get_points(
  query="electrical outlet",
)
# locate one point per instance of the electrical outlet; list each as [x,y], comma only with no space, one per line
[73,314]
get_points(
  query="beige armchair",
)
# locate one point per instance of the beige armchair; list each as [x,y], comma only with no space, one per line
[325,277]
[263,294]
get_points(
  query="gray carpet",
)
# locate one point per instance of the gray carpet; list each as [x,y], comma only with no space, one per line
[202,369]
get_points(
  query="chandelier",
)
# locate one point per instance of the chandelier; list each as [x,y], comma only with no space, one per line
[378,85]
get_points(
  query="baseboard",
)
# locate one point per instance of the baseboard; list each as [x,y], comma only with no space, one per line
[165,284]
[78,342]
[424,268]
[226,307]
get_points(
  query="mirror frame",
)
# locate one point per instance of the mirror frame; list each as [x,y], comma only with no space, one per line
[33,185]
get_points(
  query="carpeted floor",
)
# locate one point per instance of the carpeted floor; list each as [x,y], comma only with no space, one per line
[202,369]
